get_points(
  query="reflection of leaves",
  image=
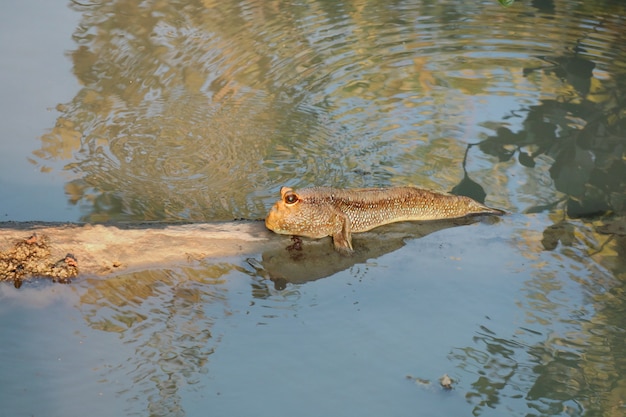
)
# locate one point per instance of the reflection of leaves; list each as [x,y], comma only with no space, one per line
[571,170]
[592,204]
[499,145]
[493,147]
[526,159]
[176,111]
[575,70]
[545,6]
[539,208]
[589,165]
[560,232]
[172,343]
[613,227]
[470,188]
[494,355]
[506,3]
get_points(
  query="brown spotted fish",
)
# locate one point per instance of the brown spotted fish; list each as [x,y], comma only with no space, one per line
[323,211]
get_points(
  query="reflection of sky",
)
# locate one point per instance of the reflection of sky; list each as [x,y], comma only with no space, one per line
[337,346]
[54,372]
[36,76]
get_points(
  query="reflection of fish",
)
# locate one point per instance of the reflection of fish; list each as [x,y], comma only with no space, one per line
[319,212]
[297,266]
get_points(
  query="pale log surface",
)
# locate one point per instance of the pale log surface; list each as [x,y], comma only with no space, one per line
[106,249]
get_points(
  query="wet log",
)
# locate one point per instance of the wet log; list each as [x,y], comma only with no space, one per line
[64,251]
[40,249]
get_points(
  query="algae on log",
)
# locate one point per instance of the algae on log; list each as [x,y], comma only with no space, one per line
[31,257]
[61,251]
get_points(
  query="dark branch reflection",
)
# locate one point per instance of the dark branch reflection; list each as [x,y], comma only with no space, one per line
[582,136]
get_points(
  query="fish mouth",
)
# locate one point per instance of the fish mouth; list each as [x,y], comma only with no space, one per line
[272,220]
[275,221]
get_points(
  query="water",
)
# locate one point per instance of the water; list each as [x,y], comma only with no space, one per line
[200,111]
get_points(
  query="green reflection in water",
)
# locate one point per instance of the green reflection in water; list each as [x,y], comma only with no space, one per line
[182,116]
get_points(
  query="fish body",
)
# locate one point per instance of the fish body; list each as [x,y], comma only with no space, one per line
[323,211]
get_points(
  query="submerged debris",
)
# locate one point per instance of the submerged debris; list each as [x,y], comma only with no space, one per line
[418,380]
[30,258]
[446,382]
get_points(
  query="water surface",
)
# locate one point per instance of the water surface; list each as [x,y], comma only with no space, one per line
[200,111]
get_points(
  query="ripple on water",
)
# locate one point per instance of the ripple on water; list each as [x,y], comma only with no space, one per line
[202,111]
[208,110]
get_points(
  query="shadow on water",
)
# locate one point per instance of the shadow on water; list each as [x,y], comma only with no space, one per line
[307,261]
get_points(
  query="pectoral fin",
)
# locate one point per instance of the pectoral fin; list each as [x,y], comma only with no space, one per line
[342,238]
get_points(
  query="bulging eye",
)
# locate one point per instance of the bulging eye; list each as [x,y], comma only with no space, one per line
[291,198]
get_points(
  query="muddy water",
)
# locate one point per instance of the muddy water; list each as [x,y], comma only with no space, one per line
[200,111]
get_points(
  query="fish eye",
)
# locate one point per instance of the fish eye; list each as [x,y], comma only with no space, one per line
[291,198]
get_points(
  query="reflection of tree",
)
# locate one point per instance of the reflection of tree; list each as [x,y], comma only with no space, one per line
[495,363]
[174,116]
[587,164]
[167,321]
[581,135]
[199,110]
[583,139]
[578,369]
[575,370]
[567,357]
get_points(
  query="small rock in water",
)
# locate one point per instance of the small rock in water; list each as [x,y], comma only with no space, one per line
[446,382]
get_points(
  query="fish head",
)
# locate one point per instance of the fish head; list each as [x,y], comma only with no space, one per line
[300,214]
